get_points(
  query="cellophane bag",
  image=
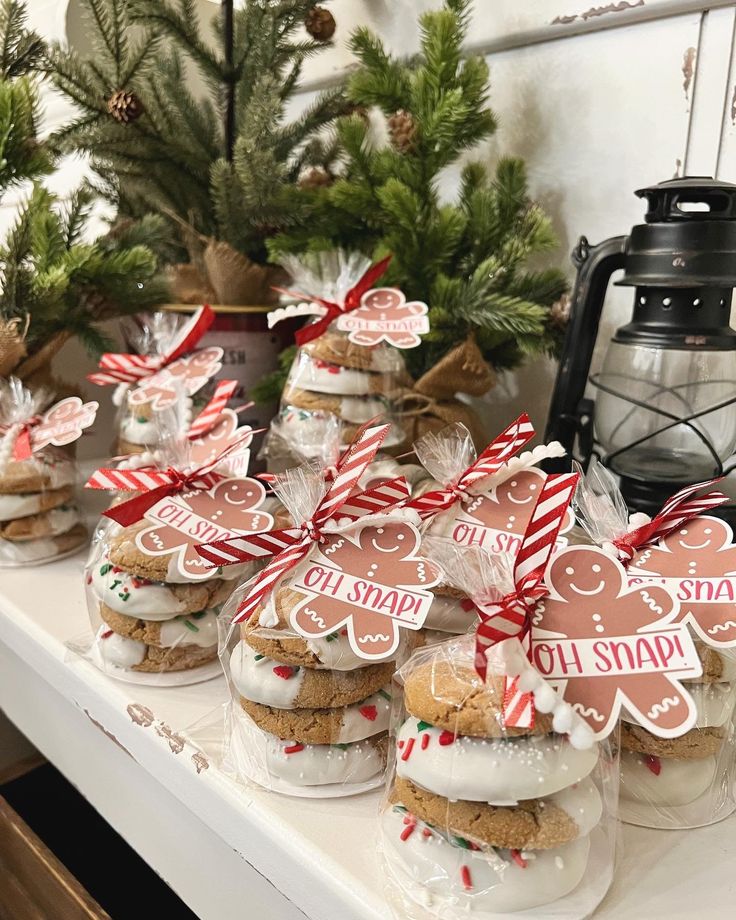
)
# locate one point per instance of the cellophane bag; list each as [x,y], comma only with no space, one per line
[683,782]
[138,405]
[308,716]
[40,520]
[152,622]
[331,376]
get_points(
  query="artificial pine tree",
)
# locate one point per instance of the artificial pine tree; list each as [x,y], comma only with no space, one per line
[221,164]
[53,286]
[467,258]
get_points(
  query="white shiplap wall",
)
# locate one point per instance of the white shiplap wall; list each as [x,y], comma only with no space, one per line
[599,99]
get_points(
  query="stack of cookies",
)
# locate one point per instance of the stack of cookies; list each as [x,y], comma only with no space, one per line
[685,780]
[320,712]
[482,817]
[333,376]
[150,619]
[38,518]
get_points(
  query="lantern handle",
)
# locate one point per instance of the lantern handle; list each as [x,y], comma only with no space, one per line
[595,265]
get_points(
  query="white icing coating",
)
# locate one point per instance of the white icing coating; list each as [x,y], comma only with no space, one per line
[320,764]
[497,882]
[678,782]
[139,432]
[448,615]
[60,520]
[199,630]
[118,650]
[321,377]
[358,409]
[28,550]
[500,771]
[365,719]
[59,470]
[20,505]
[135,597]
[255,678]
[582,802]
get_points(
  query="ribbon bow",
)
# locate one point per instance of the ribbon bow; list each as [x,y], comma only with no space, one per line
[675,511]
[333,310]
[125,368]
[154,484]
[498,452]
[208,417]
[511,616]
[290,545]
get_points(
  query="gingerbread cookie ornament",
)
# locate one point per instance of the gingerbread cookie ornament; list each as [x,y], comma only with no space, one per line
[385,315]
[697,564]
[606,645]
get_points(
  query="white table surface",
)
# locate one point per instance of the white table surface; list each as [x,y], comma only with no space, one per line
[231,851]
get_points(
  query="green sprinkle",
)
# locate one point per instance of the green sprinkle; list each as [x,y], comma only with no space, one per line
[332,637]
[114,585]
[198,616]
[343,747]
[461,842]
[218,570]
[105,568]
[385,695]
[124,595]
[258,657]
[191,626]
[423,726]
[400,809]
[141,420]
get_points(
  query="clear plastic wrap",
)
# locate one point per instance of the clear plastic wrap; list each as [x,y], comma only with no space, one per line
[688,781]
[309,715]
[484,819]
[152,603]
[333,377]
[40,520]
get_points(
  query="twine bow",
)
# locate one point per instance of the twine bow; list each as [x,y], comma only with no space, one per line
[333,310]
[154,484]
[496,454]
[675,511]
[125,368]
[290,545]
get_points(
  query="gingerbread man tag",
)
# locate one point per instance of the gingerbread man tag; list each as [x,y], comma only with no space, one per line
[181,522]
[384,315]
[605,645]
[225,431]
[697,564]
[64,423]
[189,373]
[371,581]
[496,521]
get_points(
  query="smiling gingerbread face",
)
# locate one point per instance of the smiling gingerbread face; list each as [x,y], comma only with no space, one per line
[577,574]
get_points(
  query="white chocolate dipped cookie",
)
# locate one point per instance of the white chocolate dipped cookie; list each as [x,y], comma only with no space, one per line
[317,376]
[15,505]
[117,651]
[319,764]
[44,524]
[499,771]
[190,629]
[664,781]
[44,549]
[489,880]
[136,429]
[51,469]
[151,600]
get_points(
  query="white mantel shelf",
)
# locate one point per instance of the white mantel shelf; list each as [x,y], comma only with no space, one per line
[233,852]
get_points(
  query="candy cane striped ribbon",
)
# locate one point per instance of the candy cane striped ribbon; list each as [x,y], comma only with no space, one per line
[155,484]
[125,368]
[290,545]
[206,419]
[675,511]
[511,616]
[496,454]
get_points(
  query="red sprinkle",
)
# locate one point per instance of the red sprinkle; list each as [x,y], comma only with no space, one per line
[653,763]
[408,830]
[447,738]
[467,880]
[89,579]
[343,632]
[369,712]
[407,753]
[116,569]
[518,859]
[400,745]
[284,671]
[294,749]
[106,635]
[425,740]
[426,832]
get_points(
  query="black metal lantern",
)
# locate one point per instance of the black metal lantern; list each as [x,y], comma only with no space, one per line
[665,410]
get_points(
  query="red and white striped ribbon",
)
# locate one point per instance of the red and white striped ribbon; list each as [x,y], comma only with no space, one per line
[511,616]
[675,511]
[153,484]
[125,368]
[493,458]
[290,545]
[207,418]
[21,436]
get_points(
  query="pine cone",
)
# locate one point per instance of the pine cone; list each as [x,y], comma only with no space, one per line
[320,23]
[125,107]
[315,177]
[559,312]
[402,130]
